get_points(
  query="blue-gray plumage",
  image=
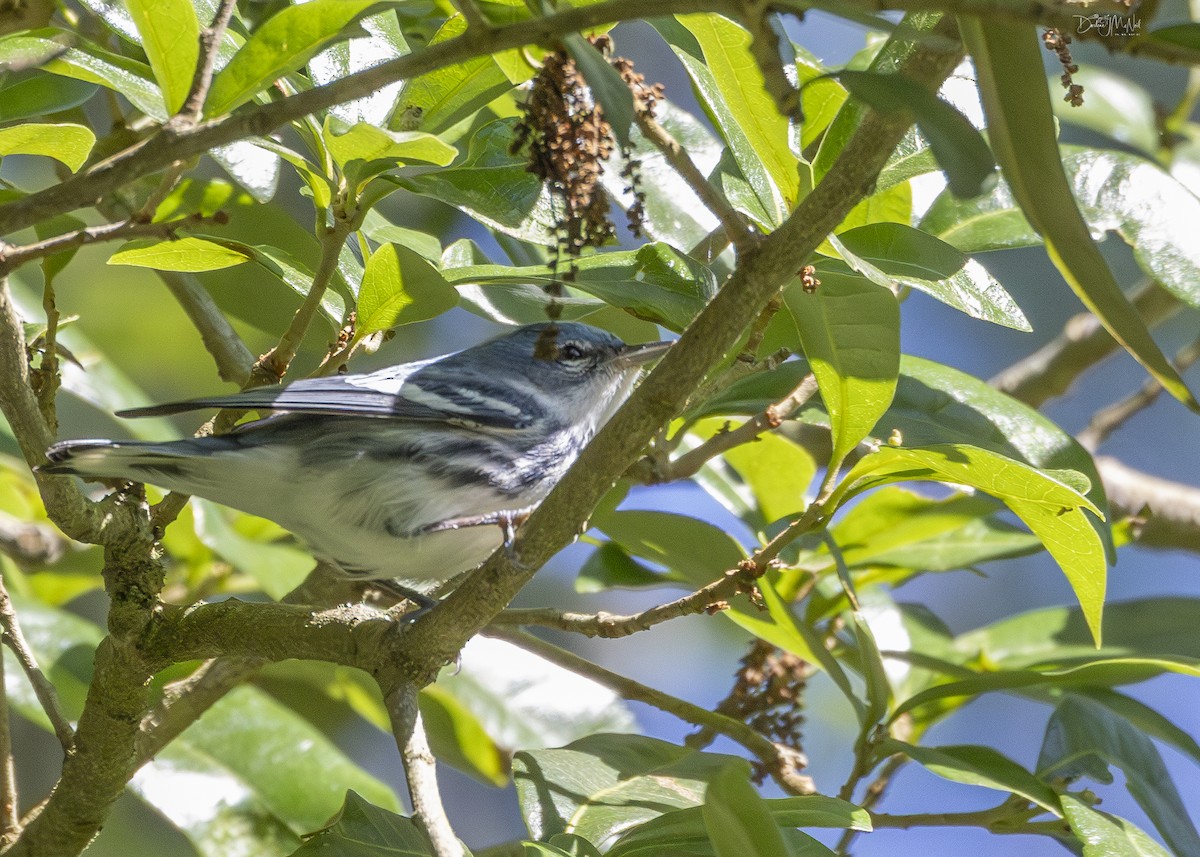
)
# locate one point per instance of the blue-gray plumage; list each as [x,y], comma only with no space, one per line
[382,473]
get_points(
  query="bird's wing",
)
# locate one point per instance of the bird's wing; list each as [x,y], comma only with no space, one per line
[422,392]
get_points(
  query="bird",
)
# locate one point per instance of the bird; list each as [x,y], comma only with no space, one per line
[398,474]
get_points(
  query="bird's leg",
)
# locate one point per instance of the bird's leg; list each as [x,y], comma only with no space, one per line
[424,602]
[507,519]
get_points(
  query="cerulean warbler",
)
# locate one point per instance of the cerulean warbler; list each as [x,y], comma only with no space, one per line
[392,474]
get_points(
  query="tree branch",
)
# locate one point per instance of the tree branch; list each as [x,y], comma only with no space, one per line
[10,628]
[228,351]
[12,257]
[1052,369]
[1168,512]
[10,823]
[780,761]
[210,45]
[420,770]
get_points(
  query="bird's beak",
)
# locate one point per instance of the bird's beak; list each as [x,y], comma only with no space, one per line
[636,355]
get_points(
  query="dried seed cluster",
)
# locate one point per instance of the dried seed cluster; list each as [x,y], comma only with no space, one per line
[567,140]
[1058,42]
[768,694]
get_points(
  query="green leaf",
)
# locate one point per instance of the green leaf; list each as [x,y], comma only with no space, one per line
[361,829]
[384,41]
[924,262]
[777,471]
[1013,88]
[457,738]
[253,166]
[610,567]
[365,142]
[683,831]
[524,702]
[284,43]
[897,527]
[61,53]
[1114,106]
[1083,736]
[959,148]
[607,86]
[1105,835]
[850,330]
[33,94]
[66,143]
[184,254]
[400,287]
[603,785]
[493,186]
[278,568]
[716,54]
[439,99]
[695,550]
[654,282]
[1148,627]
[1055,511]
[737,819]
[1115,191]
[573,846]
[171,39]
[1145,719]
[978,766]
[380,230]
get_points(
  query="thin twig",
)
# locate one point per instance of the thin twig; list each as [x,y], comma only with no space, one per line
[472,15]
[736,227]
[12,257]
[420,770]
[10,823]
[707,599]
[47,697]
[1167,513]
[780,761]
[273,365]
[210,46]
[1052,369]
[872,797]
[1107,420]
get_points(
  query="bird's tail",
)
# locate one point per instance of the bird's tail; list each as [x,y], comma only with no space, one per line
[109,459]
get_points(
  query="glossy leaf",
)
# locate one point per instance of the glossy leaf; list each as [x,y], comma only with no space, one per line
[695,549]
[1105,835]
[252,166]
[524,702]
[171,39]
[1117,192]
[655,282]
[979,766]
[365,142]
[610,566]
[384,41]
[439,99]
[494,187]
[960,149]
[715,52]
[1145,719]
[47,49]
[34,93]
[572,846]
[69,144]
[897,527]
[1021,128]
[777,471]
[361,829]
[283,43]
[918,260]
[1084,738]
[601,786]
[850,330]
[184,254]
[400,287]
[1053,509]
[737,819]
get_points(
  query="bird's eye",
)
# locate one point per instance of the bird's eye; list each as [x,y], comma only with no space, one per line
[570,352]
